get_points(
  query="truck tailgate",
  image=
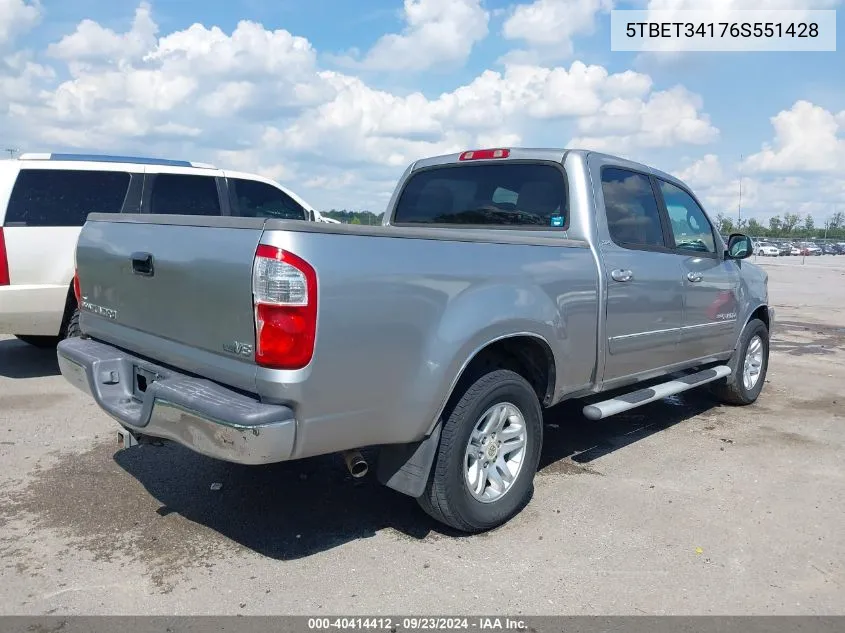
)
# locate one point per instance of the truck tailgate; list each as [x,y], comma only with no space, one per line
[174,288]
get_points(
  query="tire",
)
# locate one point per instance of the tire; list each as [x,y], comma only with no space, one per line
[448,497]
[72,329]
[733,390]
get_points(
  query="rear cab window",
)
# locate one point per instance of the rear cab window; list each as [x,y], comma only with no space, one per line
[64,197]
[507,195]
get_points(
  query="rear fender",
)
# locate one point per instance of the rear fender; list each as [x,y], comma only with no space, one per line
[504,311]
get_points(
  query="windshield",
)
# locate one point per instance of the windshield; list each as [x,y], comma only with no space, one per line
[522,194]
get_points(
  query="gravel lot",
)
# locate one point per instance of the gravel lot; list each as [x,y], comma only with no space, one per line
[680,507]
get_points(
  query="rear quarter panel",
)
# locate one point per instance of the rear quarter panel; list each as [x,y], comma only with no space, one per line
[399,318]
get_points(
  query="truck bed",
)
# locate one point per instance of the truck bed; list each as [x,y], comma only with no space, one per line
[400,310]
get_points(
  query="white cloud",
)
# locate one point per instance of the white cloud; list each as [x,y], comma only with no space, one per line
[763,195]
[808,138]
[666,118]
[257,100]
[20,78]
[705,172]
[92,42]
[553,23]
[437,32]
[387,129]
[17,17]
[718,6]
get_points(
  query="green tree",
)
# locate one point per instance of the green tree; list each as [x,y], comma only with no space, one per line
[809,225]
[724,224]
[775,225]
[355,220]
[755,229]
[790,221]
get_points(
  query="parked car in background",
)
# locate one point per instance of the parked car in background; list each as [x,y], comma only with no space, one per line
[785,249]
[45,199]
[829,249]
[795,250]
[810,250]
[765,249]
[503,281]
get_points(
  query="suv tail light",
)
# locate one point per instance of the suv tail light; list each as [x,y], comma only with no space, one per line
[284,290]
[77,290]
[4,261]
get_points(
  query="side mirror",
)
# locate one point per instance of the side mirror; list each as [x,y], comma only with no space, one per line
[739,246]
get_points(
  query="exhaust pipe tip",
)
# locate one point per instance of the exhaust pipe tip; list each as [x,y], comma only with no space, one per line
[355,463]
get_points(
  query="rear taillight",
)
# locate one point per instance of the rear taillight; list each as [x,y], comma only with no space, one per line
[4,261]
[77,291]
[284,289]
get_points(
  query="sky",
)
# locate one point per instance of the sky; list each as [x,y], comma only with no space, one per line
[334,98]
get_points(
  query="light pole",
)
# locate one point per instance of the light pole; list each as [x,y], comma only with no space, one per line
[739,208]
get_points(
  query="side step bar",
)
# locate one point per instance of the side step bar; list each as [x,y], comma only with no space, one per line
[638,398]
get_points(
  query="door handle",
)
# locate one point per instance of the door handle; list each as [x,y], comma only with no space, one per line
[622,275]
[694,277]
[142,264]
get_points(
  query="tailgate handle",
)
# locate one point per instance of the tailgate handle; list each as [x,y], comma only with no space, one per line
[142,264]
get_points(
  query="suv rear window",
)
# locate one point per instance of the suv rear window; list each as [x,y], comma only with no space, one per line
[46,197]
[183,194]
[509,194]
[260,200]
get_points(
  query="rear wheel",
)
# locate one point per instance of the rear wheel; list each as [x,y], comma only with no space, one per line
[489,450]
[72,328]
[748,366]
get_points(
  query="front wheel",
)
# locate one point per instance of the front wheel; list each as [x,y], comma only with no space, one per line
[749,365]
[489,450]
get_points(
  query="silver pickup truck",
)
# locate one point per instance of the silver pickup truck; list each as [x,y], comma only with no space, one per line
[502,282]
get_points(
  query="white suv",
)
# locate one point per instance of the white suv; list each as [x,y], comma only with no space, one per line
[45,199]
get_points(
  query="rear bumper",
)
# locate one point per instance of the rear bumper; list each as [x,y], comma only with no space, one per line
[196,413]
[33,310]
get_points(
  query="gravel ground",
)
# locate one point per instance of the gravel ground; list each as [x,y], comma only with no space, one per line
[679,507]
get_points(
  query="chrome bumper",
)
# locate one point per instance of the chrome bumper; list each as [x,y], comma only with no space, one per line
[164,403]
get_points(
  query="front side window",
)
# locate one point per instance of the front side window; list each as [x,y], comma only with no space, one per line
[633,217]
[690,226]
[260,200]
[53,197]
[184,194]
[507,194]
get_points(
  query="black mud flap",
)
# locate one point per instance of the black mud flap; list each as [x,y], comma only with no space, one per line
[405,467]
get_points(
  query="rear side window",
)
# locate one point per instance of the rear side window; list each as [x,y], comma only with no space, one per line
[45,197]
[182,194]
[509,194]
[260,200]
[633,218]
